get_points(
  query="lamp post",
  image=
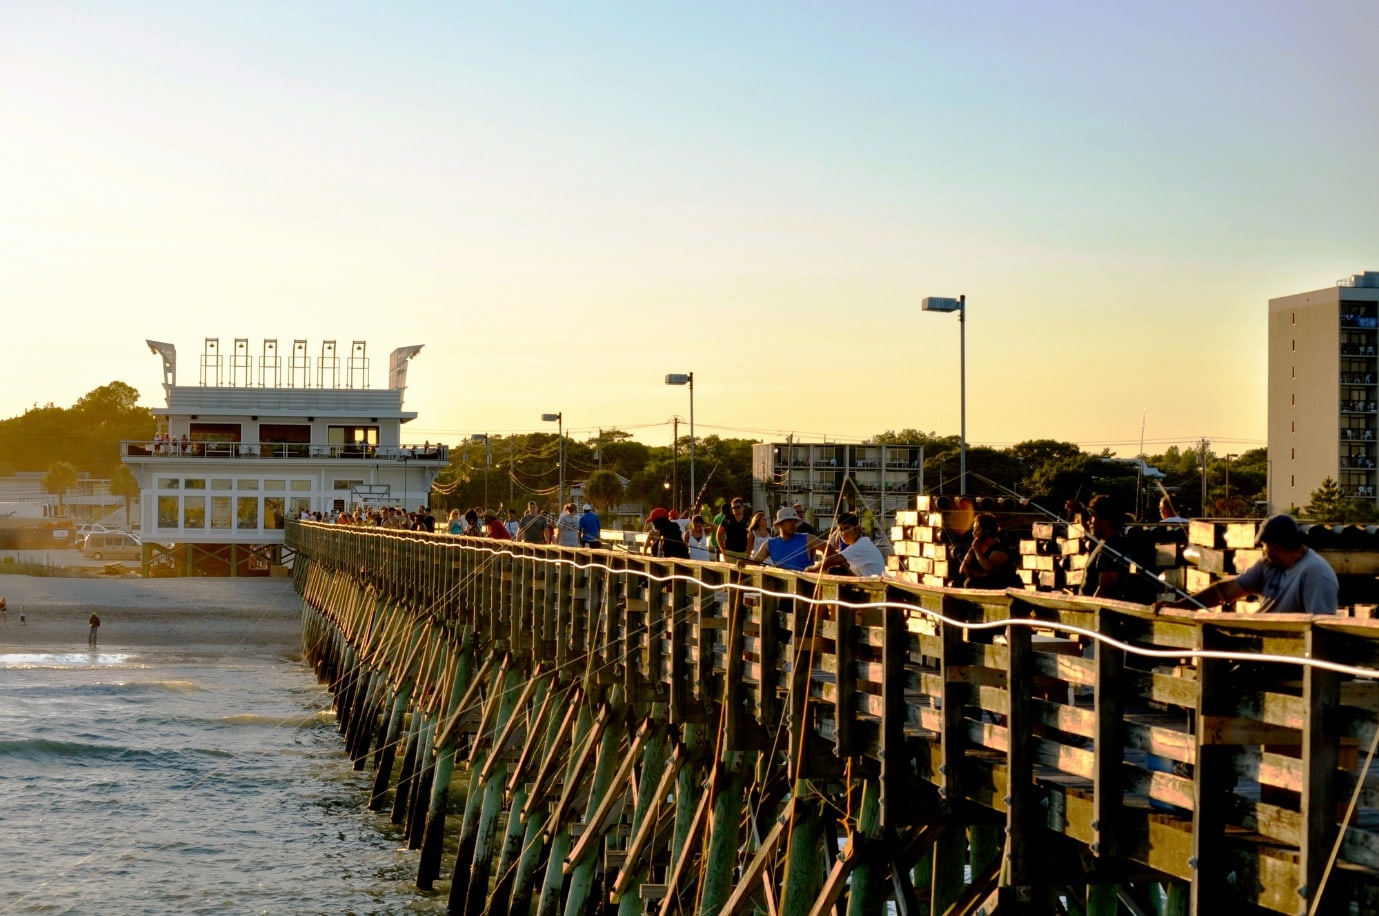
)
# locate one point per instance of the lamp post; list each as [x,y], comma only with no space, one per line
[1228,475]
[959,305]
[687,378]
[559,420]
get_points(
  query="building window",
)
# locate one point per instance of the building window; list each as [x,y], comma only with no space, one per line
[273,512]
[167,511]
[221,516]
[247,512]
[1295,317]
[1292,426]
[1292,481]
[1292,400]
[1293,454]
[1294,370]
[194,512]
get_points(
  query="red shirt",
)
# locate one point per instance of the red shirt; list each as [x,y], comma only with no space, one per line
[497,530]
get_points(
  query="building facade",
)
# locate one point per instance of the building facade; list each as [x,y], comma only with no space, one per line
[257,442]
[872,480]
[1322,391]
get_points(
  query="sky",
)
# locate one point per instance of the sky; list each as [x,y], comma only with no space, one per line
[565,202]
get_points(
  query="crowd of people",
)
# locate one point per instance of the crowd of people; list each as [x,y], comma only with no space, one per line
[1289,576]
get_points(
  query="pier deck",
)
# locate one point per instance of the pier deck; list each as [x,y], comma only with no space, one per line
[663,736]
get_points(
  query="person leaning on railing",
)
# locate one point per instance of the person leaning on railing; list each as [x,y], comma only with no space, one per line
[1290,577]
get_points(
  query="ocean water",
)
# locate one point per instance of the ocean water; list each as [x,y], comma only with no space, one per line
[168,781]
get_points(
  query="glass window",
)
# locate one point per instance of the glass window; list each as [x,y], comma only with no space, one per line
[347,484]
[168,483]
[167,511]
[273,512]
[248,484]
[275,486]
[220,512]
[222,483]
[193,512]
[299,504]
[194,483]
[301,486]
[247,511]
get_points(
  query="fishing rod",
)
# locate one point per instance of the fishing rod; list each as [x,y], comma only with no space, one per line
[1130,564]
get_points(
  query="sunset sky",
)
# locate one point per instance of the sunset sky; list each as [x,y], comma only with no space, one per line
[565,202]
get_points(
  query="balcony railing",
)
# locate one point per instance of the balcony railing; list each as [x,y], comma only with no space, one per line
[439,454]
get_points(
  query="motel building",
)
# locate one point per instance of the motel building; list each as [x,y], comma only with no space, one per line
[257,442]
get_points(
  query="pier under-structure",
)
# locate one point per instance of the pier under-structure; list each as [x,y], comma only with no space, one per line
[639,735]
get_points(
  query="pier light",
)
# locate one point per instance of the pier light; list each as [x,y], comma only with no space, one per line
[959,305]
[687,378]
[559,420]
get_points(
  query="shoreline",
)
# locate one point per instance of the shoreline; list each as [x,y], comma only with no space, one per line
[230,616]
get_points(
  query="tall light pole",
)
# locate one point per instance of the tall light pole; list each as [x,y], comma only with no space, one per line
[687,378]
[959,305]
[1228,475]
[559,420]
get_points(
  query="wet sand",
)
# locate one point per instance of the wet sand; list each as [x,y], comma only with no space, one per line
[260,615]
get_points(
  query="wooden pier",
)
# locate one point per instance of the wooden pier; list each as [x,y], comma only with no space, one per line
[649,736]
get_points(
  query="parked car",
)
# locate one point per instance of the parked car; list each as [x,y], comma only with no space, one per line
[84,530]
[112,545]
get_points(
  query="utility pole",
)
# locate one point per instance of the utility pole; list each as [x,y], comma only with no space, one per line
[512,469]
[675,463]
[1202,458]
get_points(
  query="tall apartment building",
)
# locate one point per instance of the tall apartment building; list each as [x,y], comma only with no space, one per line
[1323,370]
[257,442]
[874,480]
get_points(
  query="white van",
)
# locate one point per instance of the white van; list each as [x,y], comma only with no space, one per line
[112,545]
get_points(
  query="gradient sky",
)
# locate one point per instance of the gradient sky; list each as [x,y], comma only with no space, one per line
[564,202]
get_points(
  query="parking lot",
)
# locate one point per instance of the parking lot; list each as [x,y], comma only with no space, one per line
[61,557]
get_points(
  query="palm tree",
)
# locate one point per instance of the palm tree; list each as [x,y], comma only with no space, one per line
[122,483]
[61,477]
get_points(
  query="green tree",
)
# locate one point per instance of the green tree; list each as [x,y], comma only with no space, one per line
[61,477]
[603,489]
[1326,503]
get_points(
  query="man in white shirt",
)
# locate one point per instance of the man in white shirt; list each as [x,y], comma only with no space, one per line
[859,554]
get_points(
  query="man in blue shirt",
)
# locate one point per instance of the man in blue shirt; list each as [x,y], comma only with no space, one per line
[1291,577]
[790,548]
[590,528]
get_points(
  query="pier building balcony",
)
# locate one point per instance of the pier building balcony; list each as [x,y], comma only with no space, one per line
[139,450]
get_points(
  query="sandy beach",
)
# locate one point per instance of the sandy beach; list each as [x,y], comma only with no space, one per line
[260,615]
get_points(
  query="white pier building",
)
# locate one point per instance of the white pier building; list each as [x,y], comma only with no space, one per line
[258,441]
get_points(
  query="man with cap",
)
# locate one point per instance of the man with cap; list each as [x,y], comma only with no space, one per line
[790,548]
[590,528]
[1290,577]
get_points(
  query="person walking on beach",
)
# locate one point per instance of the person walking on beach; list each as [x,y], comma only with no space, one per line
[95,626]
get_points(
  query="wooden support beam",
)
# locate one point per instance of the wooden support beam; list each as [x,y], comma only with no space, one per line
[1211,782]
[1108,739]
[1321,692]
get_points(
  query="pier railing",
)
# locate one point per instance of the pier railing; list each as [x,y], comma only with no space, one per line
[675,736]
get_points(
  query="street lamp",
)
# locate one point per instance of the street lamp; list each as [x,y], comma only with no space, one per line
[559,420]
[1228,475]
[959,305]
[687,378]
